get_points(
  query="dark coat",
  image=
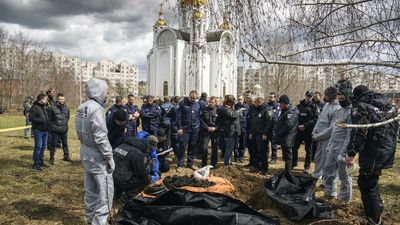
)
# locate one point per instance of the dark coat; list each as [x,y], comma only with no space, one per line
[116,134]
[208,118]
[243,116]
[172,116]
[165,119]
[110,113]
[230,121]
[39,117]
[376,146]
[150,117]
[188,115]
[132,166]
[59,116]
[308,115]
[286,127]
[261,121]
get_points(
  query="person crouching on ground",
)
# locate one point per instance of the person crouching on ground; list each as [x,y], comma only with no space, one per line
[132,166]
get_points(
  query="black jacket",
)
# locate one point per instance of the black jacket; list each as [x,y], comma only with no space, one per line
[59,117]
[116,134]
[229,121]
[188,115]
[39,118]
[308,115]
[243,115]
[261,120]
[376,146]
[286,127]
[132,166]
[208,118]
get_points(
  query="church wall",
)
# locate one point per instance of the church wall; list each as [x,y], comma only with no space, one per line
[180,67]
[164,70]
[215,80]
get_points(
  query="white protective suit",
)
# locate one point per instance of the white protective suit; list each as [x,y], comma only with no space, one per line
[334,168]
[322,133]
[95,153]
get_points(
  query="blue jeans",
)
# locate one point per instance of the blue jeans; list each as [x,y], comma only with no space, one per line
[26,131]
[40,146]
[230,143]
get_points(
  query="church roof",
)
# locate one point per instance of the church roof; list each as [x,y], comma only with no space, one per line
[182,35]
[214,36]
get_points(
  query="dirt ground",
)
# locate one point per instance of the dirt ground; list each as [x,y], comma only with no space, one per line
[249,188]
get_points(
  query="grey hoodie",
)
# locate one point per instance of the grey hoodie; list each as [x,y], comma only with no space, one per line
[325,123]
[90,124]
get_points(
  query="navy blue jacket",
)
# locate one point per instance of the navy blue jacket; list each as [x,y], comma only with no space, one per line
[243,116]
[275,112]
[150,115]
[165,119]
[132,125]
[188,115]
[261,120]
[172,115]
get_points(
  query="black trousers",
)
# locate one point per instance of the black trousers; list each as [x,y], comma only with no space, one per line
[287,157]
[300,137]
[240,146]
[252,152]
[370,195]
[262,152]
[204,139]
[56,136]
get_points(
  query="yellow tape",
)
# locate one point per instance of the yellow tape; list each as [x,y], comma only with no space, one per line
[20,128]
[14,128]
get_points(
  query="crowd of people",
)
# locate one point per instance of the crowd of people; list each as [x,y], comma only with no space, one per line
[118,157]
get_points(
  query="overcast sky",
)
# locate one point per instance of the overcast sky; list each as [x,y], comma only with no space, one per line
[89,29]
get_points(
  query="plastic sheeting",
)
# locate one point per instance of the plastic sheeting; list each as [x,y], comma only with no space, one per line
[292,194]
[180,207]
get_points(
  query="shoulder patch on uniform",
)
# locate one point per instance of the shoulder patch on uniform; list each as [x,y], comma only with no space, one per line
[289,115]
[354,111]
[120,151]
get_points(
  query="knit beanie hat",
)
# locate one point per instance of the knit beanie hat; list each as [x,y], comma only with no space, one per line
[120,115]
[360,90]
[331,92]
[345,88]
[284,99]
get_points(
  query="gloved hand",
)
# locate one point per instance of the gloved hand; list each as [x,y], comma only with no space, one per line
[111,165]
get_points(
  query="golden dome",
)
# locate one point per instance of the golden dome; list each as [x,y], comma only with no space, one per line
[193,2]
[197,15]
[225,25]
[161,22]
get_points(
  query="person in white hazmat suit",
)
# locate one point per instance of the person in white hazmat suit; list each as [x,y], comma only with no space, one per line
[96,153]
[323,129]
[335,166]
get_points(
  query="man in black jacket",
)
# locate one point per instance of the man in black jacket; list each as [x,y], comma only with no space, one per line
[308,116]
[260,126]
[208,131]
[230,124]
[132,166]
[117,128]
[376,146]
[241,142]
[40,126]
[59,117]
[286,130]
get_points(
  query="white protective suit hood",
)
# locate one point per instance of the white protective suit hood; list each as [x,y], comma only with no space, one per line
[96,89]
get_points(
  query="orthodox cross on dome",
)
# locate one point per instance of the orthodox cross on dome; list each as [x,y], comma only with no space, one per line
[225,24]
[161,21]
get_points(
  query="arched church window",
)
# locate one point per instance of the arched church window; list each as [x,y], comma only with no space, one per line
[165,88]
[166,38]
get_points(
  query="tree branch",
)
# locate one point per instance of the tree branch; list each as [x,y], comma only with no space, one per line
[338,45]
[395,65]
[332,3]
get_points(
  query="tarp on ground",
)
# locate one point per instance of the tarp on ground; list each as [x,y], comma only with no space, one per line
[294,195]
[181,207]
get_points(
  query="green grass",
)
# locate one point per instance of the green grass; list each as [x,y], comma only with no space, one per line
[55,196]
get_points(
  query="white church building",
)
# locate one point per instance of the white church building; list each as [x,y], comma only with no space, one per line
[192,57]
